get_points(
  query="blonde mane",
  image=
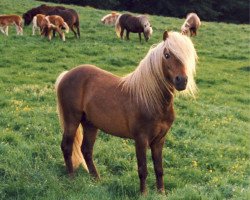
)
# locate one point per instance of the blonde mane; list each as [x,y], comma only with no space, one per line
[147,83]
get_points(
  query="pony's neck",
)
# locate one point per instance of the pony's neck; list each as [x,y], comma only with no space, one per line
[147,85]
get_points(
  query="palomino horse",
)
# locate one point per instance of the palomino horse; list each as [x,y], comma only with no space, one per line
[7,20]
[135,24]
[191,24]
[110,19]
[138,106]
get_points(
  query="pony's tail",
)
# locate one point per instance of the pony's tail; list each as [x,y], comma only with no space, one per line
[65,25]
[118,27]
[77,157]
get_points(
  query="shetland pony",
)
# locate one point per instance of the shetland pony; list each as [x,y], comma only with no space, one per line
[110,19]
[47,24]
[135,24]
[191,25]
[42,9]
[7,20]
[137,106]
[60,25]
[38,23]
[71,17]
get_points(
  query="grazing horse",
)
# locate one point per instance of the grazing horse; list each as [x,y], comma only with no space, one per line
[71,17]
[42,9]
[59,25]
[110,19]
[7,20]
[138,106]
[191,24]
[135,24]
[38,23]
[47,24]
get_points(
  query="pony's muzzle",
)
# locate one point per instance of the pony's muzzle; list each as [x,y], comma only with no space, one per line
[180,82]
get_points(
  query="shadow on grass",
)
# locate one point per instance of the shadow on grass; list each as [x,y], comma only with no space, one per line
[245,68]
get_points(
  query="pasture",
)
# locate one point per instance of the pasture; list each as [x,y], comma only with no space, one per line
[206,155]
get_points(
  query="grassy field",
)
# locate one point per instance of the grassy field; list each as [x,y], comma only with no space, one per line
[206,155]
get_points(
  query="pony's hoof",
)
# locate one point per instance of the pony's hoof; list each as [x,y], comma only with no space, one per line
[161,191]
[144,193]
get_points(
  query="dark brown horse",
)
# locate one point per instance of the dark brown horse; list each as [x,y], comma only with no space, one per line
[138,106]
[42,9]
[71,17]
[135,24]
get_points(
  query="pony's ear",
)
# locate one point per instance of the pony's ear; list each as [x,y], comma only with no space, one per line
[165,35]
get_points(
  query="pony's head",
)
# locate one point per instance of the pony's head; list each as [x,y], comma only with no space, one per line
[147,29]
[185,28]
[168,66]
[27,18]
[47,28]
[178,62]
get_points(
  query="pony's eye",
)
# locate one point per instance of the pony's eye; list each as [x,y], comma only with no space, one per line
[167,55]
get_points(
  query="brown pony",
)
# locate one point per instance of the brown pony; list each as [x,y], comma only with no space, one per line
[71,17]
[135,24]
[110,19]
[38,23]
[138,106]
[59,25]
[42,9]
[49,24]
[7,20]
[191,24]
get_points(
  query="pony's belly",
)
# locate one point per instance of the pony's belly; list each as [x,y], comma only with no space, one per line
[115,128]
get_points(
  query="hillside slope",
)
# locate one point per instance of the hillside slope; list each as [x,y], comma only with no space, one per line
[206,155]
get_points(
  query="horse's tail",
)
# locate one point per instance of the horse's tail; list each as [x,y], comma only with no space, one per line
[77,157]
[118,27]
[65,25]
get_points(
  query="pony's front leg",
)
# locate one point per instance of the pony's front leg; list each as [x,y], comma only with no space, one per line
[156,150]
[141,148]
[33,30]
[61,33]
[139,36]
[2,30]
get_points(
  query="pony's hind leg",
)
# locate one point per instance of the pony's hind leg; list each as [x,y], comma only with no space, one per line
[72,29]
[141,148]
[127,35]
[17,30]
[90,133]
[20,30]
[121,33]
[67,143]
[78,30]
[6,30]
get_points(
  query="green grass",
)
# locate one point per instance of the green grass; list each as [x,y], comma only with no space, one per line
[206,155]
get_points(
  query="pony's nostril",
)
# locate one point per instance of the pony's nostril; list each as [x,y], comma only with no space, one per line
[178,78]
[181,79]
[186,79]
